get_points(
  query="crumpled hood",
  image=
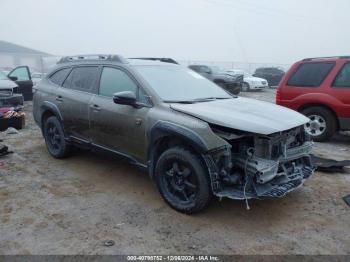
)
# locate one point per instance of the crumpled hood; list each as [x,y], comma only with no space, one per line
[7,84]
[244,114]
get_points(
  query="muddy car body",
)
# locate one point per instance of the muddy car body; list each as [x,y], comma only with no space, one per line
[194,138]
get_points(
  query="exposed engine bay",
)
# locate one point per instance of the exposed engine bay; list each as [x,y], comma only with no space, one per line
[260,166]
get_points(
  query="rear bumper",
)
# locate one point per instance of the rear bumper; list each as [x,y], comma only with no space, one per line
[344,123]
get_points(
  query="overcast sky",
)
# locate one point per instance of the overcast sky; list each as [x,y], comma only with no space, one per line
[277,31]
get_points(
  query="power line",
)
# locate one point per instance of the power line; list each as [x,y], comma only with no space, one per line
[260,9]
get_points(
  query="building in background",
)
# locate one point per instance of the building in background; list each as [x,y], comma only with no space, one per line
[12,55]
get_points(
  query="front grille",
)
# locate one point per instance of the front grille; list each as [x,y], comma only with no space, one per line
[283,189]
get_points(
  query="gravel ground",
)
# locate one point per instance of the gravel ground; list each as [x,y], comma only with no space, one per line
[72,206]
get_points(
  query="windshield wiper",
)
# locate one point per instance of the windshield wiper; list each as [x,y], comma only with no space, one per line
[181,101]
[196,100]
[210,98]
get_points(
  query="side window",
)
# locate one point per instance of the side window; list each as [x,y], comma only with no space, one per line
[143,97]
[83,78]
[114,80]
[22,73]
[66,83]
[310,74]
[343,77]
[59,76]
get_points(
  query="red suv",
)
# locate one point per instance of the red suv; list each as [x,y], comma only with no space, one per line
[320,89]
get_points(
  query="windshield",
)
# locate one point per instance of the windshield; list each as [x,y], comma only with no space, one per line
[217,70]
[176,84]
[3,76]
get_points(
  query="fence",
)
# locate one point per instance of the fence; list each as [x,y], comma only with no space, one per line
[43,63]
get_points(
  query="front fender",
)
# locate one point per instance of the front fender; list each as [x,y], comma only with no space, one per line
[163,129]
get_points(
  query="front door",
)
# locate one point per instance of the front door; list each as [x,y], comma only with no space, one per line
[117,127]
[21,75]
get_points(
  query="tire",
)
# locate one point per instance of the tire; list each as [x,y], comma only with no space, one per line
[245,87]
[54,138]
[320,119]
[183,181]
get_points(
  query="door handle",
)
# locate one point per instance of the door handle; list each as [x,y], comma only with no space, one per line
[138,121]
[59,98]
[95,107]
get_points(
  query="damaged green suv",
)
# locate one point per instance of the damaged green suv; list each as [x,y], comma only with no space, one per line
[195,139]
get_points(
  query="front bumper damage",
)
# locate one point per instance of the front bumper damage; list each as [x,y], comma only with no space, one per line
[255,166]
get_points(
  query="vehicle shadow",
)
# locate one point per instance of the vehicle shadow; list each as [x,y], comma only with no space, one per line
[129,182]
[341,137]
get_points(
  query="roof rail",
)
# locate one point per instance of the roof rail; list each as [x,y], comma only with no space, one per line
[161,59]
[98,57]
[326,57]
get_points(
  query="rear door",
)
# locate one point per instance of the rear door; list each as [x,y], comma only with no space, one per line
[73,100]
[119,127]
[307,78]
[340,89]
[21,75]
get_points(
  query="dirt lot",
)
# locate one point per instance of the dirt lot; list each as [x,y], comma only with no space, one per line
[72,206]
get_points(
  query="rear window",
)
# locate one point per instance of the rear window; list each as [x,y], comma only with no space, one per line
[310,74]
[59,76]
[343,77]
[82,78]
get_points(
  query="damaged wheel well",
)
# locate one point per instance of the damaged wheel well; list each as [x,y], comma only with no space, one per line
[166,142]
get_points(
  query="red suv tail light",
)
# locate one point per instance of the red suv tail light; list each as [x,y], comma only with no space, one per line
[278,96]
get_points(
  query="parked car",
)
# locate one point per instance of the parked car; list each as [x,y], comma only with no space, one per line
[20,76]
[193,138]
[249,82]
[6,85]
[219,76]
[7,92]
[273,75]
[320,89]
[160,59]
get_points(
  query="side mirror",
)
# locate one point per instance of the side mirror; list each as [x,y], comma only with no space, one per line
[125,98]
[13,78]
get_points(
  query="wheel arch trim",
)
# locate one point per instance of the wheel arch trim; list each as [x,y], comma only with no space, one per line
[49,106]
[164,129]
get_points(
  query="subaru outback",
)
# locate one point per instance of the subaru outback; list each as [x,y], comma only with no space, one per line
[195,139]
